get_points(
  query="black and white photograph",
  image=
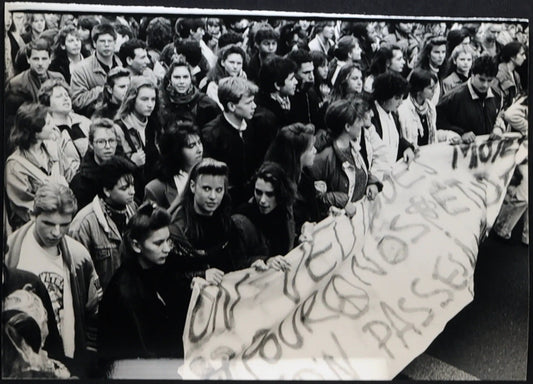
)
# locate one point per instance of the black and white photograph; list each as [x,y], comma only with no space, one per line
[229,191]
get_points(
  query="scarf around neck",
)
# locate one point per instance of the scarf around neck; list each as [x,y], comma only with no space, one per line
[420,109]
[178,98]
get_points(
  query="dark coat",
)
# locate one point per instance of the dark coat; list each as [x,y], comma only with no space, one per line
[305,109]
[31,82]
[269,116]
[275,230]
[201,109]
[142,314]
[161,192]
[238,249]
[458,111]
[243,156]
[306,206]
[328,167]
[85,183]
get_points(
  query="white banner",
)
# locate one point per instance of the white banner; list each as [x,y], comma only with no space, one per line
[368,294]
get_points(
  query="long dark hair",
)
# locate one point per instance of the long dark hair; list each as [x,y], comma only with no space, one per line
[340,87]
[284,190]
[171,142]
[191,227]
[288,146]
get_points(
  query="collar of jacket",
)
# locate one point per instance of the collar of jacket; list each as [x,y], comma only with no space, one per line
[473,93]
[109,229]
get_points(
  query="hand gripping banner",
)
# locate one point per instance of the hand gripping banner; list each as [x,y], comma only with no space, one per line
[368,294]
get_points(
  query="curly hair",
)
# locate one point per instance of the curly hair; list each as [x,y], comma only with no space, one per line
[387,85]
[60,38]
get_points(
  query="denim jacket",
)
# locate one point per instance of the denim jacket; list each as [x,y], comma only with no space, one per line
[93,227]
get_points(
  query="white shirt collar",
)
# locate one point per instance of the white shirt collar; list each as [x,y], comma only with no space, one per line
[242,127]
[473,93]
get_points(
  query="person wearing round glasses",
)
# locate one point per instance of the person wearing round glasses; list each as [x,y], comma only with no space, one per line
[102,146]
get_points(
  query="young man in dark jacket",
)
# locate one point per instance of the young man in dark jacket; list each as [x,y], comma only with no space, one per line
[305,102]
[277,84]
[474,107]
[230,139]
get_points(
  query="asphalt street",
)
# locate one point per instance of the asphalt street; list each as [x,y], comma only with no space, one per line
[488,339]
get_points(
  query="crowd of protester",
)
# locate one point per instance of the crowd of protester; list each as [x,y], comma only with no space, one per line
[149,154]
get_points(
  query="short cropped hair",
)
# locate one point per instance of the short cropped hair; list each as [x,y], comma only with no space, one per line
[274,71]
[112,170]
[127,49]
[54,197]
[190,49]
[389,84]
[510,50]
[232,89]
[100,123]
[300,56]
[45,92]
[184,25]
[38,45]
[485,65]
[103,29]
[228,38]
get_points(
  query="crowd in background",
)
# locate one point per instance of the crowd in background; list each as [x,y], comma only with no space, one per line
[147,154]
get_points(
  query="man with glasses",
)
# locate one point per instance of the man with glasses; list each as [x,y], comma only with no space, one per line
[102,146]
[89,75]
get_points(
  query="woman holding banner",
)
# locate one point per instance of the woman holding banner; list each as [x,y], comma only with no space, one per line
[340,165]
[207,242]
